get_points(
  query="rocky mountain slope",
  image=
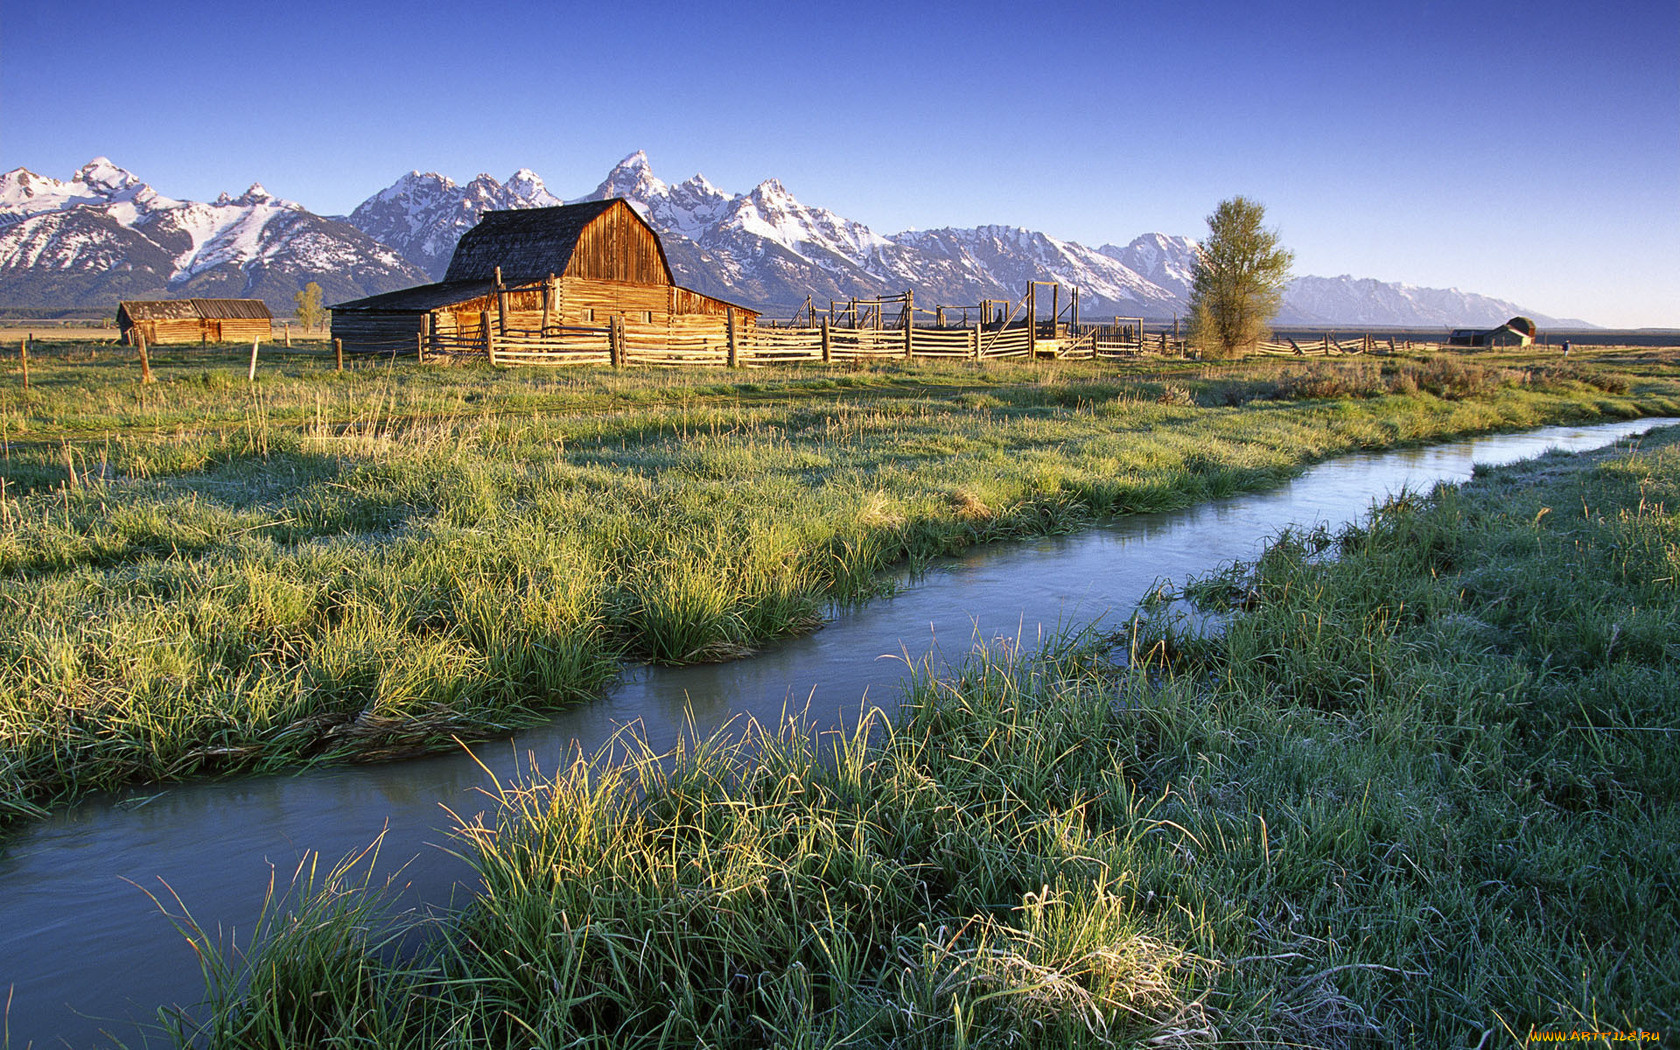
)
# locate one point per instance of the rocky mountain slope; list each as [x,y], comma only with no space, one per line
[104,235]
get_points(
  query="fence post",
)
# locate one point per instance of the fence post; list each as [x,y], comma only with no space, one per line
[23,352]
[1032,319]
[145,361]
[827,349]
[489,337]
[501,304]
[420,346]
[252,375]
[338,355]
[615,344]
[909,321]
[288,335]
[729,321]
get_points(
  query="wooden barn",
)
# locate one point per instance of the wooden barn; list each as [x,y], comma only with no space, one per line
[537,273]
[1518,331]
[195,320]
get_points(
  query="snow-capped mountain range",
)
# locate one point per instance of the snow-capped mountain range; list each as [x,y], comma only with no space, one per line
[104,234]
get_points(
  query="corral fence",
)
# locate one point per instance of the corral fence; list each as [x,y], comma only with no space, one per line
[1326,346]
[882,328]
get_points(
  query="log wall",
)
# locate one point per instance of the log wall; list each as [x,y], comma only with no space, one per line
[201,330]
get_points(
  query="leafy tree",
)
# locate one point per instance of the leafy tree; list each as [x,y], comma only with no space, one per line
[1238,280]
[310,311]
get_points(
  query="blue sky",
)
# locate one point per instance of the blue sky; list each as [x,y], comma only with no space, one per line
[1528,150]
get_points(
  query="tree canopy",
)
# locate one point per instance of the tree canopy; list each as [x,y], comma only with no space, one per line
[310,311]
[1238,280]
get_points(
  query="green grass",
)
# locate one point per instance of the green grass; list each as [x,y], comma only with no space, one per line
[205,577]
[1419,794]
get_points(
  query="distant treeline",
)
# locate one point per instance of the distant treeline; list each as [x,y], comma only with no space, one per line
[57,313]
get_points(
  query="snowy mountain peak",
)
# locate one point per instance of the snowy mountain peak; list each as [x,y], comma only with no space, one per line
[527,186]
[1164,259]
[697,185]
[414,184]
[772,194]
[633,179]
[104,177]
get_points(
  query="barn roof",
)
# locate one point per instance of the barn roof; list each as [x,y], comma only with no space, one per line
[422,297]
[192,309]
[529,243]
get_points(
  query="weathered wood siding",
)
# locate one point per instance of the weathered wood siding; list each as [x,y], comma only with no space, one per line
[238,329]
[689,301]
[585,301]
[619,246]
[369,331]
[178,330]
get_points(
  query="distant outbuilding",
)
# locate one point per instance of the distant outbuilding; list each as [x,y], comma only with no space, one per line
[194,320]
[1518,331]
[537,270]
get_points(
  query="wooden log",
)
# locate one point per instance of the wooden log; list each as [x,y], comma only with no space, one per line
[252,374]
[145,360]
[23,353]
[729,321]
[501,304]
[338,355]
[288,335]
[484,334]
[827,342]
[1032,317]
[909,322]
[548,302]
[615,342]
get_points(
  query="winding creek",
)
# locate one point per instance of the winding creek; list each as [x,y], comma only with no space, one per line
[86,955]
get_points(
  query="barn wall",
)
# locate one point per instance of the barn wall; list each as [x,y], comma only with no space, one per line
[243,329]
[618,246]
[369,331]
[579,296]
[185,330]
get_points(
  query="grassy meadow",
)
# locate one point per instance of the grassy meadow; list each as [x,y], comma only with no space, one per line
[205,576]
[1418,789]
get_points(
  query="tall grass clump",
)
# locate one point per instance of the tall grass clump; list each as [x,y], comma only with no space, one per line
[1418,789]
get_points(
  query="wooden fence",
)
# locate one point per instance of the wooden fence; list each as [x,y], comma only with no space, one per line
[627,343]
[1327,346]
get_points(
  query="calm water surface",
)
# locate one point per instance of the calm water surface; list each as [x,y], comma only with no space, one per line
[86,955]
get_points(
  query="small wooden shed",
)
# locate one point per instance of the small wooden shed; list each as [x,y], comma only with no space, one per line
[580,265]
[195,320]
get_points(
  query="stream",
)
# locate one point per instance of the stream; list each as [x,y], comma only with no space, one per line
[86,956]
